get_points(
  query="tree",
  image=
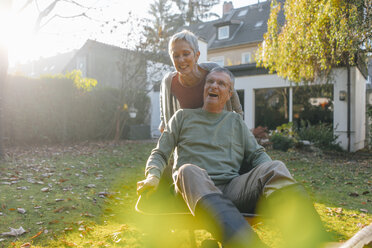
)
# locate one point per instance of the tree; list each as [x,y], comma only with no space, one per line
[4,9]
[194,11]
[161,26]
[317,36]
[136,78]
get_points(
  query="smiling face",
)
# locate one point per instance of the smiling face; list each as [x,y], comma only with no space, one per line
[217,91]
[183,57]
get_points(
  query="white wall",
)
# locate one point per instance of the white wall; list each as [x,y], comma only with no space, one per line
[155,114]
[358,108]
[203,48]
[249,84]
[155,73]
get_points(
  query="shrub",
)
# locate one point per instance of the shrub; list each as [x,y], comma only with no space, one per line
[321,135]
[369,120]
[283,137]
[281,142]
[261,134]
[54,110]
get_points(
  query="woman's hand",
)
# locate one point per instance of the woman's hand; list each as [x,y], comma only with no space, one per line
[148,185]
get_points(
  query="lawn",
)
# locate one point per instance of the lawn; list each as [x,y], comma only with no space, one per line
[83,195]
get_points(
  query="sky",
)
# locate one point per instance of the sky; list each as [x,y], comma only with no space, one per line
[63,35]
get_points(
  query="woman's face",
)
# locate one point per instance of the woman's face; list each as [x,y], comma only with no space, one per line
[183,57]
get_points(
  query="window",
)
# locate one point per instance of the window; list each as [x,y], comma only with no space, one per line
[223,32]
[81,64]
[246,58]
[243,12]
[219,60]
[258,24]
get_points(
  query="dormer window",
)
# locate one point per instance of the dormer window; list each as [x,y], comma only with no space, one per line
[243,12]
[223,32]
[258,24]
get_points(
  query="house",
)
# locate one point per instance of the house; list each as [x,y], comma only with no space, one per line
[232,42]
[111,66]
[94,59]
[50,65]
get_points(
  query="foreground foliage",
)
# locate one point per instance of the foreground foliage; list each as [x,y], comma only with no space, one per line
[84,195]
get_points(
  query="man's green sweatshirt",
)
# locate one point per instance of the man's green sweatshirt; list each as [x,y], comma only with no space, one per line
[218,143]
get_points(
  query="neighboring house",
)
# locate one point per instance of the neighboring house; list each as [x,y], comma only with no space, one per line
[50,65]
[106,63]
[233,41]
[94,59]
[111,66]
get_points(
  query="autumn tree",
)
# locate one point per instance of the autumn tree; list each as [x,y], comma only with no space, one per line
[315,37]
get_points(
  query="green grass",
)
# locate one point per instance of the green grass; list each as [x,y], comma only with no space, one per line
[91,196]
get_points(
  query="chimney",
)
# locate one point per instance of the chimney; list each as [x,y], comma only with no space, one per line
[227,7]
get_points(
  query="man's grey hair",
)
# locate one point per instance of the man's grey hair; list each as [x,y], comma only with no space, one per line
[187,36]
[224,70]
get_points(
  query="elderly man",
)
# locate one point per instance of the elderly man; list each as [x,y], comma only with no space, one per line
[210,146]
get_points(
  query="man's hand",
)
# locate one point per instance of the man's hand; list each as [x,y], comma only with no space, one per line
[148,185]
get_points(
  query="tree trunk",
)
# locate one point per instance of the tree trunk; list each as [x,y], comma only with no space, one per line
[5,7]
[3,77]
[117,125]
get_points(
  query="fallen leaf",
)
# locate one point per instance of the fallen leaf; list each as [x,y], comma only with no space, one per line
[70,244]
[37,235]
[353,194]
[87,215]
[91,186]
[58,210]
[25,245]
[54,222]
[21,210]
[14,232]
[364,210]
[46,189]
[365,192]
[339,210]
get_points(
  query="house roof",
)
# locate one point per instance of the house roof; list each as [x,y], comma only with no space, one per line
[50,65]
[250,23]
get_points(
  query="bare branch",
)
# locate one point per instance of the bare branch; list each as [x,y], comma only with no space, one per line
[25,5]
[37,6]
[76,3]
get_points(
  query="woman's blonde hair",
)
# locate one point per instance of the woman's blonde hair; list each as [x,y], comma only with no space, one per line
[187,36]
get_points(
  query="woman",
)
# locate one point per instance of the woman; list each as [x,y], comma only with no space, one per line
[184,87]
